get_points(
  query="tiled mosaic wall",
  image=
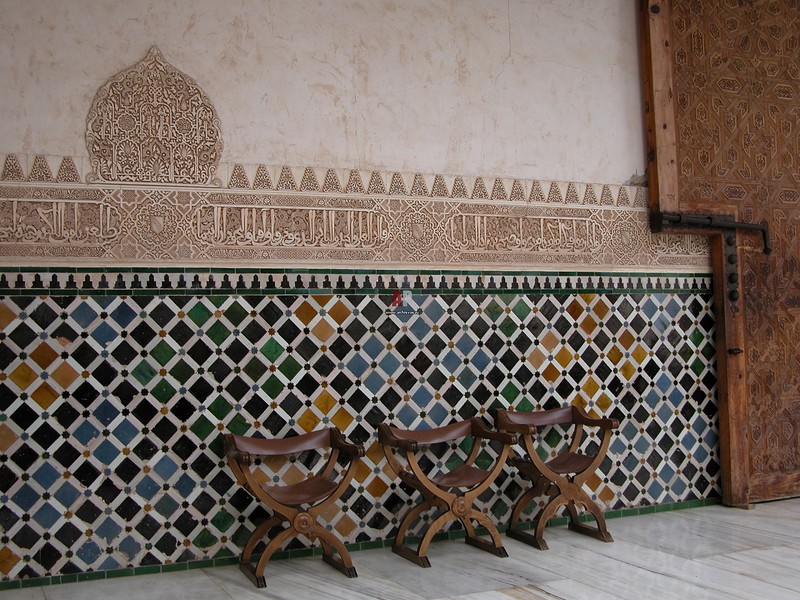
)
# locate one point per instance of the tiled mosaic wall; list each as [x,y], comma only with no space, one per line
[113,401]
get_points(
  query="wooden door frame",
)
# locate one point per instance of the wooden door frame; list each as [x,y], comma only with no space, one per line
[662,171]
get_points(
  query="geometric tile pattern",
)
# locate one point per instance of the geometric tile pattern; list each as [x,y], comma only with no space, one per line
[113,405]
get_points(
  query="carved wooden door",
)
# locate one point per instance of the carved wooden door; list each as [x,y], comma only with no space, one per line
[735,68]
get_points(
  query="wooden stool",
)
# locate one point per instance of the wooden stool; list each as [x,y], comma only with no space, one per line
[452,492]
[562,477]
[300,503]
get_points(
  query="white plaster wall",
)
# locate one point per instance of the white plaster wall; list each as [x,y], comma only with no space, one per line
[544,89]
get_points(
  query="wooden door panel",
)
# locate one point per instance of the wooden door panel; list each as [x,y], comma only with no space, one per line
[735,90]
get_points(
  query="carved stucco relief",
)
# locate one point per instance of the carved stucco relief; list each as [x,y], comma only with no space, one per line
[151,123]
[152,190]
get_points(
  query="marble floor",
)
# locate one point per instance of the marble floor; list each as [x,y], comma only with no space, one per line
[709,552]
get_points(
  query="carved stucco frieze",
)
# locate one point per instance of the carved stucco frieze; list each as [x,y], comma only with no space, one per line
[150,225]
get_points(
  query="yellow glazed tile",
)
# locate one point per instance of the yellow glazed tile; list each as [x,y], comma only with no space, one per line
[44,395]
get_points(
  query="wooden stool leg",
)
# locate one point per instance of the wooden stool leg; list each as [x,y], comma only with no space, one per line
[330,542]
[412,515]
[523,536]
[600,532]
[257,536]
[495,546]
[256,574]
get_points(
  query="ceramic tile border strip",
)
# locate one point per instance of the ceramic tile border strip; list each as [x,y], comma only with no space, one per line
[148,281]
[227,560]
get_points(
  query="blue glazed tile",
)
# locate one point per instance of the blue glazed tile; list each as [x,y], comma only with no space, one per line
[389,364]
[422,397]
[451,361]
[126,432]
[439,414]
[47,516]
[104,334]
[480,360]
[67,494]
[84,315]
[357,365]
[374,382]
[123,315]
[26,497]
[85,433]
[130,546]
[46,476]
[108,530]
[106,452]
[165,467]
[89,552]
[373,347]
[147,488]
[407,415]
[106,412]
[185,485]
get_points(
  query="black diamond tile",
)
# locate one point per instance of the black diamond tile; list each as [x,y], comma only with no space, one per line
[200,352]
[324,366]
[181,333]
[43,316]
[162,314]
[164,430]
[185,523]
[201,390]
[85,394]
[388,329]
[68,534]
[145,449]
[341,384]
[450,328]
[24,417]
[203,465]
[204,503]
[166,544]
[88,512]
[128,509]
[220,369]
[7,356]
[143,334]
[340,348]
[45,435]
[66,455]
[22,335]
[144,411]
[288,331]
[256,407]
[184,447]
[26,537]
[104,373]
[237,388]
[87,473]
[24,457]
[124,353]
[236,351]
[479,327]
[127,470]
[147,527]
[355,330]
[7,479]
[253,332]
[107,491]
